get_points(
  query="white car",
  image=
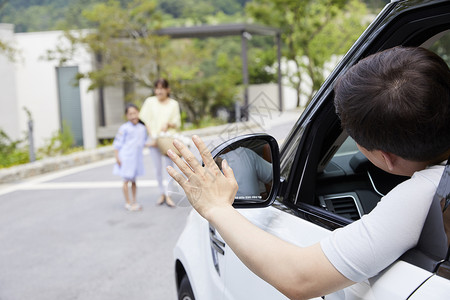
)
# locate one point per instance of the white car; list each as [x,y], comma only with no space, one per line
[321,182]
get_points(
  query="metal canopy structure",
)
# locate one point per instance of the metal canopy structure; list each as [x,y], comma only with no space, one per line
[217,30]
[245,31]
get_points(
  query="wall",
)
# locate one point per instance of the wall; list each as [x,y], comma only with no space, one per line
[266,96]
[9,106]
[33,84]
[36,85]
[114,106]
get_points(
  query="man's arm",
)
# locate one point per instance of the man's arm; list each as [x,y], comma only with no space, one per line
[299,273]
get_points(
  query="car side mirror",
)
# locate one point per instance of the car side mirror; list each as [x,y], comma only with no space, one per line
[255,161]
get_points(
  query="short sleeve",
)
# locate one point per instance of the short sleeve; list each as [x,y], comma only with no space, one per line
[119,139]
[144,113]
[263,168]
[175,116]
[145,134]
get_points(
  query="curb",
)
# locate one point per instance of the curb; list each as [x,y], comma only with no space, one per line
[46,165]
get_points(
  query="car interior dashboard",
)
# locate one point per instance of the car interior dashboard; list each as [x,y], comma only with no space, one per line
[350,185]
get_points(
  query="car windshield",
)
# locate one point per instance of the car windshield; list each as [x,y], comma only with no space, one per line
[348,147]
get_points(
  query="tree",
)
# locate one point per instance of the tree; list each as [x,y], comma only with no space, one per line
[124,42]
[32,15]
[204,75]
[312,31]
[40,15]
[129,52]
[200,10]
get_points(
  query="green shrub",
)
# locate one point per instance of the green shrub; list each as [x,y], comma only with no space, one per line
[10,152]
[61,142]
[14,153]
[206,121]
[105,142]
[17,157]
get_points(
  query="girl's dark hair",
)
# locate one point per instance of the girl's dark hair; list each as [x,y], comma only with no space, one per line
[397,101]
[128,106]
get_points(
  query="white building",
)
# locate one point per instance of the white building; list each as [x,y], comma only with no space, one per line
[50,92]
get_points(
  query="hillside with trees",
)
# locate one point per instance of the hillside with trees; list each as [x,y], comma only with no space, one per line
[42,15]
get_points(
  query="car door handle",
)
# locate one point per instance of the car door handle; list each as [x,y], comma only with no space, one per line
[216,243]
[217,246]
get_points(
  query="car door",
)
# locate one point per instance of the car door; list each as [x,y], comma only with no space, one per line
[327,183]
[436,287]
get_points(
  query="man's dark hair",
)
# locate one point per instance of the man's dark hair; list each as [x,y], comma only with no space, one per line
[397,101]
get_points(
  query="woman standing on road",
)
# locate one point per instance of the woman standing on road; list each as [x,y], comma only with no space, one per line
[161,114]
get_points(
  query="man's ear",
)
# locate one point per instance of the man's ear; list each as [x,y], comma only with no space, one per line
[390,160]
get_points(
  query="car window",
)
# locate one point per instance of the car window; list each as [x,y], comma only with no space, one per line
[286,165]
[347,147]
[440,44]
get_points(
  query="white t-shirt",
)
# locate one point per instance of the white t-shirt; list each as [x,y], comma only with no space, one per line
[155,115]
[367,246]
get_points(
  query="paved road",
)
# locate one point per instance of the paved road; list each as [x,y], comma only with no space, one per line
[66,235]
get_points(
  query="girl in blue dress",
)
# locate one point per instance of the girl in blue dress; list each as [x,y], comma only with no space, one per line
[128,145]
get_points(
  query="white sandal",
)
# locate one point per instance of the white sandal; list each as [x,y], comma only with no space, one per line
[135,207]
